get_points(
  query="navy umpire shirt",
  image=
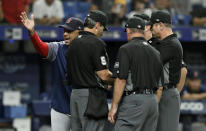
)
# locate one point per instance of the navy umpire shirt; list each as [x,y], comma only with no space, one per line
[86,55]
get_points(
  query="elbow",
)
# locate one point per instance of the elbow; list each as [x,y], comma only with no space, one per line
[195,21]
[184,70]
[103,75]
[198,21]
[104,78]
[185,97]
[120,80]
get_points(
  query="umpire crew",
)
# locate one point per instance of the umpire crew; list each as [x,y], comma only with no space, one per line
[138,71]
[172,56]
[87,66]
[155,43]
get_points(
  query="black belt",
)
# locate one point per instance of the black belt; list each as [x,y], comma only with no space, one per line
[168,86]
[139,91]
[74,86]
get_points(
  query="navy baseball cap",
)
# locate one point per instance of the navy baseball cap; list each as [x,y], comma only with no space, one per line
[145,17]
[135,22]
[98,16]
[73,24]
[193,74]
[161,16]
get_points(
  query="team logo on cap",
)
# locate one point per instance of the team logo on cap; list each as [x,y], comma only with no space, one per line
[69,20]
[139,26]
[145,43]
[158,20]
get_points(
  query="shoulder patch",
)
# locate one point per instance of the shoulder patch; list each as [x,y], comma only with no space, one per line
[103,60]
[116,65]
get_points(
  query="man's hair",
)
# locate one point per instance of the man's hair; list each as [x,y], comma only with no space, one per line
[135,30]
[167,25]
[88,22]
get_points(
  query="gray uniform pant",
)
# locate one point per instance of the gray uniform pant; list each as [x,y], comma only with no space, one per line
[78,104]
[60,121]
[169,110]
[137,112]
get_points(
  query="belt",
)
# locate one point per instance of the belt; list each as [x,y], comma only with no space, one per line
[168,86]
[74,86]
[139,91]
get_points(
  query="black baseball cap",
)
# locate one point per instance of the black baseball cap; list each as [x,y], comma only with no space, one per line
[73,24]
[135,22]
[98,16]
[193,74]
[145,17]
[161,16]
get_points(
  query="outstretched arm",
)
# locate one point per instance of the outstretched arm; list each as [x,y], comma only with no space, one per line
[41,47]
[28,23]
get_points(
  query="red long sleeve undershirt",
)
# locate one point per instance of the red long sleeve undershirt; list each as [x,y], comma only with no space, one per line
[41,47]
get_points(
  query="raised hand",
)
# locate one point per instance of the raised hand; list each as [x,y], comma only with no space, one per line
[28,23]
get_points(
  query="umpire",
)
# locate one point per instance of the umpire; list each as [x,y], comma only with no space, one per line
[156,43]
[147,31]
[87,66]
[172,56]
[138,70]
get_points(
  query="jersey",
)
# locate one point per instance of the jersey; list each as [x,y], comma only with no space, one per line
[86,55]
[60,91]
[140,64]
[172,56]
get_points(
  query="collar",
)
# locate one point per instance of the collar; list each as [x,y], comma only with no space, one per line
[169,37]
[138,38]
[153,40]
[86,33]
